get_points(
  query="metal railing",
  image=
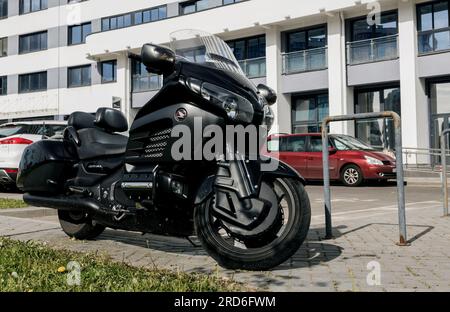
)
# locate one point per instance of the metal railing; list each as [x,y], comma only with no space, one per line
[142,83]
[431,41]
[372,50]
[306,60]
[399,166]
[254,68]
[444,170]
[425,159]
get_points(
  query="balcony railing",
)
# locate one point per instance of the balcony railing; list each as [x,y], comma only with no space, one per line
[254,68]
[306,60]
[142,83]
[434,41]
[372,50]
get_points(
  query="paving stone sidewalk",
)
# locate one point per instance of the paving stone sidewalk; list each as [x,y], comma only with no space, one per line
[340,264]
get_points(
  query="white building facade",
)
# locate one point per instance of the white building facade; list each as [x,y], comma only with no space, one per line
[324,57]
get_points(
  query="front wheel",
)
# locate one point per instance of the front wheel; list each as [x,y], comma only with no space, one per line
[268,250]
[352,175]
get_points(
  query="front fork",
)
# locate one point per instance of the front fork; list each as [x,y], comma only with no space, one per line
[235,175]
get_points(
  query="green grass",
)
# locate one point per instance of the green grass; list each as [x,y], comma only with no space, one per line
[6,203]
[30,266]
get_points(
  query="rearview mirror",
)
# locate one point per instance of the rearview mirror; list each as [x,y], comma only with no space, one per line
[268,93]
[158,59]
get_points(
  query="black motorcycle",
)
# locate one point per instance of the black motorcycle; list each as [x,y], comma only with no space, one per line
[245,217]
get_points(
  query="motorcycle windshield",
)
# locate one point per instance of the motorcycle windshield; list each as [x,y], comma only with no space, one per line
[201,47]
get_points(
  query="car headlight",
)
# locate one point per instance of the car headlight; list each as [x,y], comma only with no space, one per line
[373,161]
[237,107]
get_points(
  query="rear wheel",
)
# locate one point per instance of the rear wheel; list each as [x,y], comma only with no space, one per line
[352,175]
[269,249]
[79,225]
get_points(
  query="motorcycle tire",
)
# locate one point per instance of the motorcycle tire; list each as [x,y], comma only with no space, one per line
[79,225]
[262,257]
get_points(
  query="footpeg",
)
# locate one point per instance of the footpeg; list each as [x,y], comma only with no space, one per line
[80,190]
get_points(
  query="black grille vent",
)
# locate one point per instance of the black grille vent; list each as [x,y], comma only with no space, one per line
[386,162]
[156,143]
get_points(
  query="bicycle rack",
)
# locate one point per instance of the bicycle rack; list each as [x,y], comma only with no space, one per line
[399,164]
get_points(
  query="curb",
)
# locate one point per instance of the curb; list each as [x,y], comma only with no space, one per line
[31,212]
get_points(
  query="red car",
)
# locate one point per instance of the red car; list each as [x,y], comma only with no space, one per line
[351,160]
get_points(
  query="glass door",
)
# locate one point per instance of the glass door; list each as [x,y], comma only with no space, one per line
[308,111]
[378,133]
[440,114]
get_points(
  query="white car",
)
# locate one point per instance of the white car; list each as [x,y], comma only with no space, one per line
[15,137]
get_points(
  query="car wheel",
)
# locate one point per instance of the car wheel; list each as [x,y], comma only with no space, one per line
[351,175]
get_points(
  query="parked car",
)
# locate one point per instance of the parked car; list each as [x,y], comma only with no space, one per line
[351,160]
[15,137]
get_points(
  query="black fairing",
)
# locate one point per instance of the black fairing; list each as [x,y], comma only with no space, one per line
[175,90]
[150,134]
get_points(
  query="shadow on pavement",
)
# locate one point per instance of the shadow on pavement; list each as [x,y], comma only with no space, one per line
[427,229]
[312,252]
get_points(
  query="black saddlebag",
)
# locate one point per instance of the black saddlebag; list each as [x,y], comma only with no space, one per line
[45,166]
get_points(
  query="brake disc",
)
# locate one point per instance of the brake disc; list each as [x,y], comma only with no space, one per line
[269,223]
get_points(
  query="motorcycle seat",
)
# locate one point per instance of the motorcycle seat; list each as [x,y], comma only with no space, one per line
[98,135]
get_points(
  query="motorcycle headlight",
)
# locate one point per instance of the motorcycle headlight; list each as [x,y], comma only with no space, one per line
[237,107]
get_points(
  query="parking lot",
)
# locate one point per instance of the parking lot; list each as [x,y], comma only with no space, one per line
[362,256]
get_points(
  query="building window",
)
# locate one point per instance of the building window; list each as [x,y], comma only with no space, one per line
[305,50]
[251,55]
[33,82]
[3,9]
[33,42]
[79,76]
[433,23]
[308,111]
[3,47]
[28,6]
[109,71]
[306,39]
[194,6]
[142,80]
[3,85]
[78,33]
[378,133]
[361,30]
[225,2]
[134,18]
[371,43]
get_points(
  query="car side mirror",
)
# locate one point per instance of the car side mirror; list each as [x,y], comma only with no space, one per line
[158,59]
[332,150]
[268,93]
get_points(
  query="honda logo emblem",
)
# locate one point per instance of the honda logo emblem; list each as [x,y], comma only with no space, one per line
[180,114]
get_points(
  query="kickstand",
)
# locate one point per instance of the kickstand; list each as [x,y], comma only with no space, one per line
[192,243]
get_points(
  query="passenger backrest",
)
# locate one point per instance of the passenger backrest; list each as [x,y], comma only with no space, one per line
[111,120]
[81,120]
